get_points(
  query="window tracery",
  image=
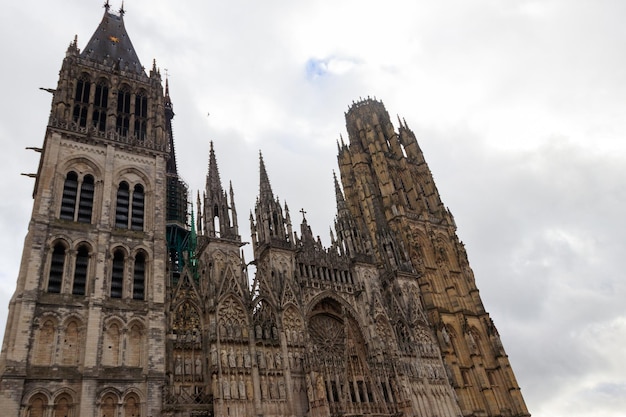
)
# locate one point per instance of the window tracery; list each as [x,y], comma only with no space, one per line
[81,100]
[101,102]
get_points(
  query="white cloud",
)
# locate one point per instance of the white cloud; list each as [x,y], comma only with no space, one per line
[518,107]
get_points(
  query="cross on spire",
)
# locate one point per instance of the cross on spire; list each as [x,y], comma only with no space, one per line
[303,214]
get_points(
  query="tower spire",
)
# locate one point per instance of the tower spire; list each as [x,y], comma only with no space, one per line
[220,217]
[265,189]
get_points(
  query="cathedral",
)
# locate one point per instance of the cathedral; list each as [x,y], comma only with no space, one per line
[131,301]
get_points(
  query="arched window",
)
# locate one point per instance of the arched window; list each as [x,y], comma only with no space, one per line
[135,345]
[70,192]
[117,274]
[129,211]
[71,196]
[141,115]
[111,346]
[80,270]
[131,406]
[137,210]
[108,406]
[45,343]
[62,406]
[121,210]
[81,101]
[57,268]
[122,123]
[101,101]
[139,276]
[37,406]
[85,203]
[71,344]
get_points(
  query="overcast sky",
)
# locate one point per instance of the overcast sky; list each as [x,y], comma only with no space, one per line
[519,107]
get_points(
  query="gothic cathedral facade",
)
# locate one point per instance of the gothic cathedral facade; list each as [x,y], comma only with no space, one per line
[127,304]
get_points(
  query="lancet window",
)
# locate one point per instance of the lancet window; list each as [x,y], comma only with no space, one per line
[139,277]
[122,123]
[81,268]
[117,274]
[37,406]
[81,101]
[57,268]
[141,115]
[101,102]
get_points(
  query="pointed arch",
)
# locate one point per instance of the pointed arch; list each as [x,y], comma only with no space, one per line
[45,341]
[186,320]
[136,337]
[63,405]
[71,342]
[37,405]
[100,105]
[339,361]
[131,405]
[232,320]
[293,325]
[109,404]
[385,333]
[141,115]
[264,320]
[112,342]
[81,100]
[122,120]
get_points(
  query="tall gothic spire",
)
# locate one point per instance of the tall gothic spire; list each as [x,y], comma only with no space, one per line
[265,189]
[213,182]
[218,211]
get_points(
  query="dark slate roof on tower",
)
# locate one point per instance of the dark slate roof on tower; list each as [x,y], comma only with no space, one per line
[111,46]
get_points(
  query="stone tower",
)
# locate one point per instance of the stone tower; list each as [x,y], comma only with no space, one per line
[86,324]
[391,193]
[129,304]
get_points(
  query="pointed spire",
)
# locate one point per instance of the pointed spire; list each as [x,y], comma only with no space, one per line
[192,237]
[107,5]
[265,189]
[341,202]
[233,208]
[122,11]
[214,184]
[200,218]
[172,167]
